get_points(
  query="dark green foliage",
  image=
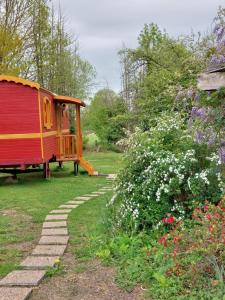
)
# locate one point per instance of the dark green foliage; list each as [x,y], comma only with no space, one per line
[106,116]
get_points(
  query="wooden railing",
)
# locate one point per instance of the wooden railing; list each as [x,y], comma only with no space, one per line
[66,147]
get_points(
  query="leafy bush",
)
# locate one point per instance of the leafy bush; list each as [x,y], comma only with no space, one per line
[165,172]
[91,142]
[192,259]
[186,262]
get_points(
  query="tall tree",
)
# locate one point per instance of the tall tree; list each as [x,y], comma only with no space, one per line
[157,68]
[105,116]
[14,35]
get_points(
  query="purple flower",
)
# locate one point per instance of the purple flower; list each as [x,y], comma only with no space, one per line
[219,31]
[220,46]
[212,139]
[196,98]
[217,59]
[216,28]
[222,144]
[222,154]
[199,112]
[199,137]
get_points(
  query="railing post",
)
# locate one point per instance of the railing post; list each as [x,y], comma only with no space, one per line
[79,145]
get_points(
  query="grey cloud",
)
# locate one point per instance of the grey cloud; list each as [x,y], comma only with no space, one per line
[103,25]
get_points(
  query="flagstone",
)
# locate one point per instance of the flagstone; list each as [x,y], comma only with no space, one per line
[59,224]
[67,206]
[39,262]
[23,278]
[99,192]
[53,240]
[82,198]
[76,202]
[15,293]
[49,250]
[60,211]
[55,231]
[56,217]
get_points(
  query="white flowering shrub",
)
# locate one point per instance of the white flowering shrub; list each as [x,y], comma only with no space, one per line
[164,174]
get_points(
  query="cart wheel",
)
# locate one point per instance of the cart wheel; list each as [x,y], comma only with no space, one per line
[76,168]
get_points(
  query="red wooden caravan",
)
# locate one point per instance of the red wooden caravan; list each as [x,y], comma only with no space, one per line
[34,128]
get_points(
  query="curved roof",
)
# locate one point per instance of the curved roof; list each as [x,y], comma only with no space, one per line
[25,82]
[20,80]
[67,99]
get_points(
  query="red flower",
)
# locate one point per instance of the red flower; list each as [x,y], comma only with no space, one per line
[206,207]
[168,220]
[162,241]
[209,217]
[176,239]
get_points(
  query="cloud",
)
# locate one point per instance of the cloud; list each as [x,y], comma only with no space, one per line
[102,26]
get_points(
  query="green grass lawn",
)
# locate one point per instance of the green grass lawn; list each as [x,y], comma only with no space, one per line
[23,206]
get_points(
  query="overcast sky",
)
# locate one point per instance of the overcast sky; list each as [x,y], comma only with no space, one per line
[103,26]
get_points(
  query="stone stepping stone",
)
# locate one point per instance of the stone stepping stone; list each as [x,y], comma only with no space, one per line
[54,231]
[60,211]
[49,250]
[23,278]
[76,202]
[15,293]
[99,193]
[59,224]
[53,240]
[67,206]
[111,176]
[39,262]
[82,198]
[56,217]
[91,195]
[73,202]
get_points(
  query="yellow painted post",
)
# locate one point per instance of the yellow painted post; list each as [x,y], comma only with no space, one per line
[79,144]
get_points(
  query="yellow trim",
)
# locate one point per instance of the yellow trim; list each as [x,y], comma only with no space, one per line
[47,112]
[67,99]
[65,131]
[50,133]
[40,120]
[33,135]
[17,136]
[20,80]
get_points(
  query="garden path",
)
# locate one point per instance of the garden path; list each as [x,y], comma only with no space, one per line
[18,285]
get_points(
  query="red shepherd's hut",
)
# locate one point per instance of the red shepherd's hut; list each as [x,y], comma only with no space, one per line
[34,128]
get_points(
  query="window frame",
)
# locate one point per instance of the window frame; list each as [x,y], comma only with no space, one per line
[47,113]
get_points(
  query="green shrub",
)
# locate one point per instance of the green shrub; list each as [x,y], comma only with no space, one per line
[165,172]
[192,257]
